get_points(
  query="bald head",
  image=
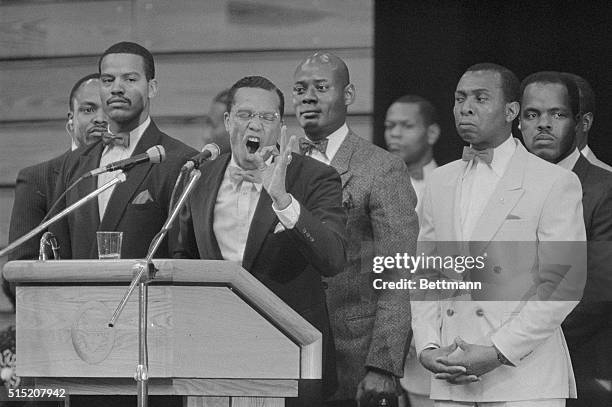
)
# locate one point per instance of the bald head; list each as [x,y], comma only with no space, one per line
[321,94]
[329,61]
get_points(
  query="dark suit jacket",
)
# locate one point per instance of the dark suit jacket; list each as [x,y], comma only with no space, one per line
[138,222]
[371,327]
[588,328]
[34,192]
[291,262]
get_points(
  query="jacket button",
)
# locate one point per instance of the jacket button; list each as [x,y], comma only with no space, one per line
[450,312]
[480,312]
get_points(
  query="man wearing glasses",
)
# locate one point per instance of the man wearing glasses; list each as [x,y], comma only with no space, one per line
[278,214]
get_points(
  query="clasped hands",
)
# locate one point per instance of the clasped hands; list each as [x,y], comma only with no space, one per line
[273,175]
[460,362]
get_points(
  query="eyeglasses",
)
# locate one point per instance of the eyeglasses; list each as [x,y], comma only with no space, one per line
[265,117]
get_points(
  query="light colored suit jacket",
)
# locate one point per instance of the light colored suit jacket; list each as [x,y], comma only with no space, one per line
[371,327]
[534,203]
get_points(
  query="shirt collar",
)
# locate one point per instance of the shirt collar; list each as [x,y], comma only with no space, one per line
[334,141]
[135,136]
[586,151]
[570,161]
[501,157]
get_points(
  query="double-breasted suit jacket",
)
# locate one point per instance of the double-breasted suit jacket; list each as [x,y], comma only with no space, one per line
[530,229]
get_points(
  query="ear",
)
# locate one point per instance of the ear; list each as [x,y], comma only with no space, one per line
[512,111]
[153,88]
[433,133]
[70,123]
[586,122]
[349,94]
[226,121]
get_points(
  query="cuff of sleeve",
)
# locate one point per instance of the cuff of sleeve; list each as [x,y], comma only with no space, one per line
[290,215]
[503,348]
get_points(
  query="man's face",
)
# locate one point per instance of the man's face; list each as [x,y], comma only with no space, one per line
[125,90]
[547,124]
[318,99]
[480,109]
[248,135]
[406,132]
[89,121]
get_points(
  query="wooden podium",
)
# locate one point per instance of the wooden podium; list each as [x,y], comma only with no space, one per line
[215,333]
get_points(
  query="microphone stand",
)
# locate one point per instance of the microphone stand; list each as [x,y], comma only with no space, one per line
[118,179]
[141,279]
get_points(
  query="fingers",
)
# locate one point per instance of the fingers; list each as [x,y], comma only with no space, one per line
[457,378]
[444,366]
[460,343]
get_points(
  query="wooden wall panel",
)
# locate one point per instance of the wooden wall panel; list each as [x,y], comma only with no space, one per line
[63,28]
[23,144]
[51,29]
[38,90]
[221,25]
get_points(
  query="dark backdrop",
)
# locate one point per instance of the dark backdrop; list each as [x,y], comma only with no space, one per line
[424,48]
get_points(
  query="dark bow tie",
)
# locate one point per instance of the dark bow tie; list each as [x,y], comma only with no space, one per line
[470,153]
[120,139]
[238,175]
[306,145]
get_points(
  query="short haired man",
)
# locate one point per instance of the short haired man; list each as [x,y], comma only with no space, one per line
[550,122]
[371,327]
[587,112]
[139,206]
[411,130]
[513,209]
[278,215]
[35,186]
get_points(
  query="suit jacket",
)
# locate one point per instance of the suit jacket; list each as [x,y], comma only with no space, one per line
[588,328]
[34,192]
[530,231]
[371,327]
[592,158]
[290,262]
[139,222]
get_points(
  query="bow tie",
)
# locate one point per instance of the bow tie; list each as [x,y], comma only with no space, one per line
[470,153]
[306,145]
[120,139]
[238,175]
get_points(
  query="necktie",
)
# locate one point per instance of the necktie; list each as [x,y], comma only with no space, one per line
[306,145]
[470,153]
[238,175]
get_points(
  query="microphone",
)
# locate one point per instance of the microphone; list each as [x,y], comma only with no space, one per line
[209,152]
[155,154]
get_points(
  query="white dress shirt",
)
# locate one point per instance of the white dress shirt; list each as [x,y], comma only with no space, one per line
[570,161]
[479,182]
[333,144]
[234,209]
[419,184]
[112,153]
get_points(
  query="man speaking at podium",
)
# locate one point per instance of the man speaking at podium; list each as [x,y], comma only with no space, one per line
[278,214]
[139,206]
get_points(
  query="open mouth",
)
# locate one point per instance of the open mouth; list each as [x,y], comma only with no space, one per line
[252,144]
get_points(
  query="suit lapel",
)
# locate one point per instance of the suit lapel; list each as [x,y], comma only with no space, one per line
[90,219]
[581,168]
[265,218]
[203,207]
[505,197]
[119,200]
[343,156]
[451,206]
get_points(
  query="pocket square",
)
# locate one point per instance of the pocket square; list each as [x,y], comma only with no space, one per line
[279,228]
[143,198]
[512,217]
